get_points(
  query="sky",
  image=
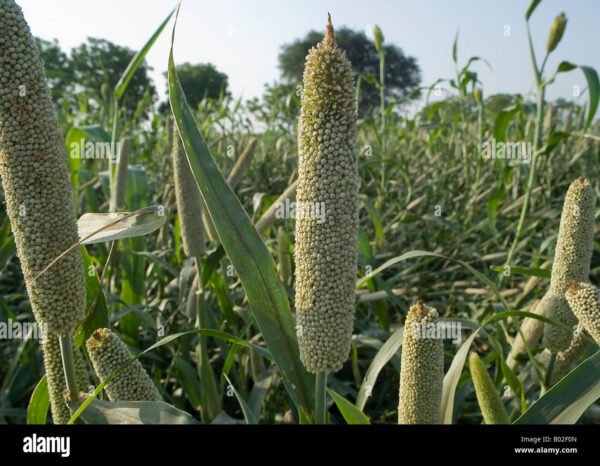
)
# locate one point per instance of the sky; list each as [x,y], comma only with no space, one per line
[244,37]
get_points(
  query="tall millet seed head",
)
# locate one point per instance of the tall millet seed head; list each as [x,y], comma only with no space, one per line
[55,376]
[567,359]
[421,368]
[117,201]
[326,244]
[572,258]
[108,352]
[36,181]
[556,32]
[238,171]
[189,201]
[584,299]
[378,35]
[490,403]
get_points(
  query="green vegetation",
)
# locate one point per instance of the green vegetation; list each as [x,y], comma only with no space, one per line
[195,278]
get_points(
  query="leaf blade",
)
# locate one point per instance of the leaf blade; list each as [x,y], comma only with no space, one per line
[37,410]
[246,251]
[385,353]
[138,58]
[566,401]
[352,414]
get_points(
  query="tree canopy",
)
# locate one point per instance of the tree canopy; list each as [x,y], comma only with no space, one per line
[402,73]
[99,64]
[92,69]
[200,81]
[59,69]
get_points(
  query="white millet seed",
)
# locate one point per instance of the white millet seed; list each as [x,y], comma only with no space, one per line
[326,248]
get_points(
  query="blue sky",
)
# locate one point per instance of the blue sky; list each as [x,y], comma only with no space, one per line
[243,38]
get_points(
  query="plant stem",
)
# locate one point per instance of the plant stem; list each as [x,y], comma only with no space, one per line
[112,158]
[382,106]
[541,89]
[321,398]
[210,394]
[548,379]
[479,141]
[536,144]
[66,351]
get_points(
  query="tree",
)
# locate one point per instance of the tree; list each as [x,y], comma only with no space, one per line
[402,73]
[98,65]
[59,69]
[198,82]
[201,81]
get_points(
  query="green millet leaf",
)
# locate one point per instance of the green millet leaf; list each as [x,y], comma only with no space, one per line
[326,246]
[35,176]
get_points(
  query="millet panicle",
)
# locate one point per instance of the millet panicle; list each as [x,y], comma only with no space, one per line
[189,201]
[567,359]
[55,376]
[117,202]
[489,400]
[108,352]
[421,369]
[572,258]
[36,180]
[326,248]
[584,299]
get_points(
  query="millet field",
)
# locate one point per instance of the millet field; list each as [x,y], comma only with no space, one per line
[332,253]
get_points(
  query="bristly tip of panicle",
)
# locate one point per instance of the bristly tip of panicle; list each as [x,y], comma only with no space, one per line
[329,39]
[421,310]
[573,287]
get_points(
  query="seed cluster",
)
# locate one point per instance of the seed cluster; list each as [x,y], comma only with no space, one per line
[55,376]
[584,299]
[108,352]
[556,32]
[422,370]
[571,260]
[565,360]
[488,398]
[326,251]
[35,177]
[122,170]
[189,201]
